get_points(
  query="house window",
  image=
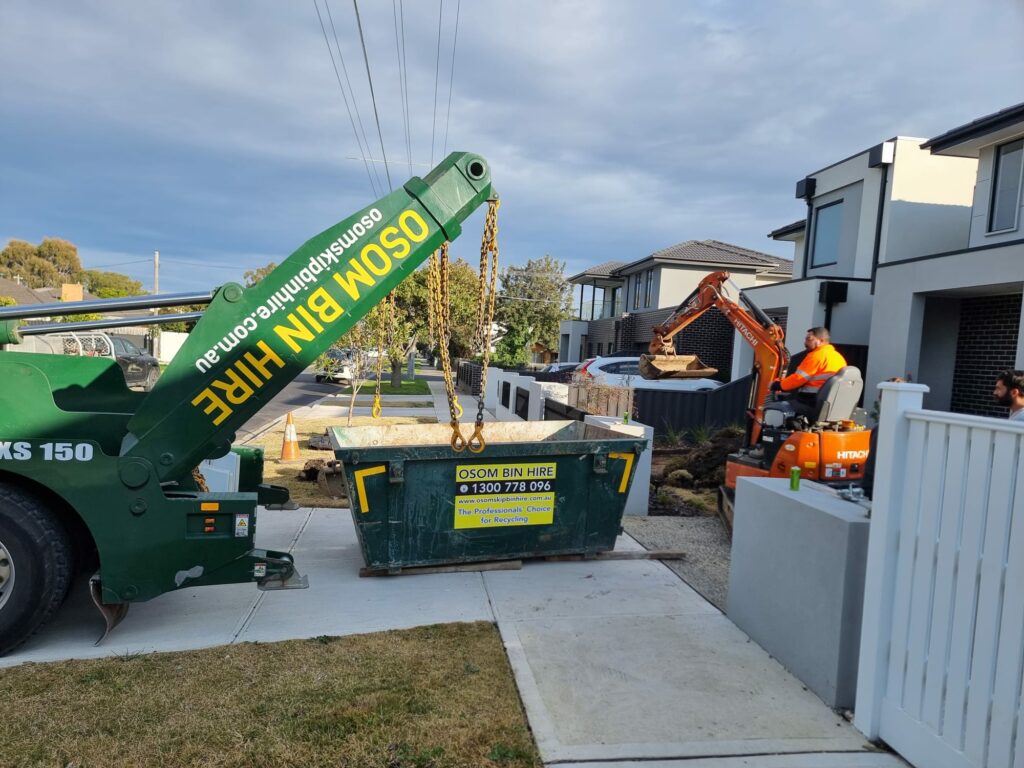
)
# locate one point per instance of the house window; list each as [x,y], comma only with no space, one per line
[636,291]
[827,223]
[648,284]
[1006,187]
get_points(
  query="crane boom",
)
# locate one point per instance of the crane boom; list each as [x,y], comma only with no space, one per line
[252,341]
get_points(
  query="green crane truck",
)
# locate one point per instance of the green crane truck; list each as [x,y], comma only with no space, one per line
[94,473]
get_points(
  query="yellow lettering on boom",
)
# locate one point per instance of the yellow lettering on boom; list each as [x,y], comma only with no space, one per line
[297,330]
[357,274]
[373,249]
[235,390]
[326,308]
[422,230]
[400,244]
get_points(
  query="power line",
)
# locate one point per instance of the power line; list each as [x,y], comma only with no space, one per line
[202,264]
[405,70]
[355,102]
[337,76]
[437,69]
[118,264]
[402,85]
[451,80]
[366,58]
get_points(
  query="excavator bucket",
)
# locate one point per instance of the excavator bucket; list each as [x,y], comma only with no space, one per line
[674,367]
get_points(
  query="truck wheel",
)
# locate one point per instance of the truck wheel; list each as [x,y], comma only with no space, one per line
[35,566]
[151,378]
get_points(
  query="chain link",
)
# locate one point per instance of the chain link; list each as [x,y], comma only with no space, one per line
[485,313]
[437,284]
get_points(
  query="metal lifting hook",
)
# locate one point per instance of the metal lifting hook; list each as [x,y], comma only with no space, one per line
[458,441]
[476,442]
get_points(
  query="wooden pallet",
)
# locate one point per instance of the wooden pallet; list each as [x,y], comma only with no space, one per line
[515,565]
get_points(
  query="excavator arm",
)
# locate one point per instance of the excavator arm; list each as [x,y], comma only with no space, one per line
[765,337]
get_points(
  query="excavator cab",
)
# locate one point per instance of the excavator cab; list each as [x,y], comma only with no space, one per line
[835,403]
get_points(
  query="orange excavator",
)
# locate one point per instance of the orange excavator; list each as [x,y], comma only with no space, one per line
[828,447]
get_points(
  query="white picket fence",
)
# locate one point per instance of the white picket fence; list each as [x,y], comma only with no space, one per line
[942,642]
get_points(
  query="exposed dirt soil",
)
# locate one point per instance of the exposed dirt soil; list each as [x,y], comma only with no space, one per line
[685,479]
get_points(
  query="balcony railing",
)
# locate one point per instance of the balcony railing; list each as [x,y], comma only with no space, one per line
[602,310]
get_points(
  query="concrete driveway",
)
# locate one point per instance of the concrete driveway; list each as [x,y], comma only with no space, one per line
[616,661]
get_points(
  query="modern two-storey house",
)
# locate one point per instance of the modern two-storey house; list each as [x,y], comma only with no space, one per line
[620,302]
[912,252]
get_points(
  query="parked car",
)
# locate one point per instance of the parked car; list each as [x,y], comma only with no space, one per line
[334,366]
[625,372]
[559,367]
[140,368]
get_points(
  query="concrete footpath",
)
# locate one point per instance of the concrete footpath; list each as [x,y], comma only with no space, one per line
[617,661]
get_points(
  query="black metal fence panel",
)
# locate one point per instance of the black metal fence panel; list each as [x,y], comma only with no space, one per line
[678,412]
[467,376]
[522,402]
[556,411]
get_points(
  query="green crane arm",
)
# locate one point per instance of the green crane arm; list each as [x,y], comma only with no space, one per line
[251,342]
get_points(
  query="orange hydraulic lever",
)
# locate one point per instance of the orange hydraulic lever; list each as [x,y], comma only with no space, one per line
[767,339]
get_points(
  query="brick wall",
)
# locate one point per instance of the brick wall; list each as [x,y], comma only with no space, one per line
[709,337]
[986,345]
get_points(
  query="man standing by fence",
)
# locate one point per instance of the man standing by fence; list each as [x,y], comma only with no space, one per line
[1009,391]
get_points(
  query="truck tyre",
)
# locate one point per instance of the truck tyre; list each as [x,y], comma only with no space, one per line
[35,566]
[151,378]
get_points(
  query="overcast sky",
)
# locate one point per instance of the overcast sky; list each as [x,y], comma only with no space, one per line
[216,131]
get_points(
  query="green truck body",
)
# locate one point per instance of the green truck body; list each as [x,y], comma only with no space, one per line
[92,470]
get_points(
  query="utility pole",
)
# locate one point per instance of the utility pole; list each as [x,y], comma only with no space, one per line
[155,336]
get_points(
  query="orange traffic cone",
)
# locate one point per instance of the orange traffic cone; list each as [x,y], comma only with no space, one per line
[290,444]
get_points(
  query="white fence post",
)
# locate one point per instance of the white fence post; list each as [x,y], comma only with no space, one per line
[494,375]
[876,624]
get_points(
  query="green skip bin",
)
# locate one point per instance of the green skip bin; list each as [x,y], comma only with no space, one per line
[538,488]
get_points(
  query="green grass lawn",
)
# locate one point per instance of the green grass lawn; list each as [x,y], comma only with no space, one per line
[434,697]
[414,387]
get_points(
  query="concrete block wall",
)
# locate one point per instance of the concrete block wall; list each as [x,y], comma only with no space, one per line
[639,492]
[796,580]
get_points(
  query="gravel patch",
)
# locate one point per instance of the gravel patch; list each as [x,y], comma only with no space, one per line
[705,542]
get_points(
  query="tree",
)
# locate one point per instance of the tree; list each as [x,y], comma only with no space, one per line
[181,326]
[463,292]
[52,262]
[358,341]
[110,285]
[63,256]
[532,301]
[253,276]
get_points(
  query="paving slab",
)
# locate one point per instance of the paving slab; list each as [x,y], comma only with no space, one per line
[622,660]
[339,602]
[616,661]
[816,760]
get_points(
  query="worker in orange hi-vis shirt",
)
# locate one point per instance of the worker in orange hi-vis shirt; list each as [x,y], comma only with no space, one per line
[820,364]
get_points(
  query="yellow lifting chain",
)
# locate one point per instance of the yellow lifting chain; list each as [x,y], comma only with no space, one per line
[388,319]
[485,313]
[438,307]
[439,320]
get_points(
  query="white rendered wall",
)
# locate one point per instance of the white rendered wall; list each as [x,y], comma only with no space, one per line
[929,207]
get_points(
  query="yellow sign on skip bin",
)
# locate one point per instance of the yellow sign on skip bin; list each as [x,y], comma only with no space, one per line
[504,510]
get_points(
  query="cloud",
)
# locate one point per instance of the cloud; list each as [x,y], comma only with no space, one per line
[217,130]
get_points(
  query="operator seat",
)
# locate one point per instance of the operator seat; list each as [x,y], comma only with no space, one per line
[839,395]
